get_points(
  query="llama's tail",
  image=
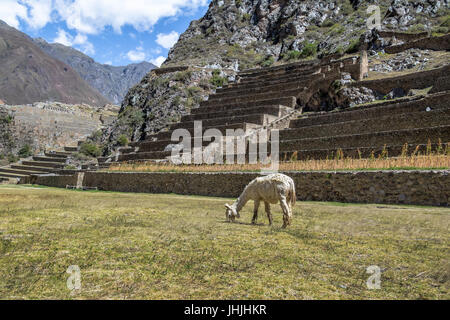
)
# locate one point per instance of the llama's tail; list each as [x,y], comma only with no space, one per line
[292,196]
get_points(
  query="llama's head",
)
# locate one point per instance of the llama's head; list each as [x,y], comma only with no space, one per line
[231,213]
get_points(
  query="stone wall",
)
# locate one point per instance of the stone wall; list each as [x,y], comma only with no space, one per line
[432,43]
[402,35]
[417,80]
[389,187]
[53,125]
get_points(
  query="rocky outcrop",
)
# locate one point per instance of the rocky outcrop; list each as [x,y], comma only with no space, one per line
[161,99]
[28,75]
[113,82]
[251,31]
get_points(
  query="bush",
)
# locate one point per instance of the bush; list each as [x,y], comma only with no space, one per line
[217,80]
[6,119]
[445,21]
[122,140]
[327,23]
[183,76]
[12,158]
[25,151]
[353,47]
[440,30]
[309,50]
[90,149]
[292,55]
[417,28]
[269,61]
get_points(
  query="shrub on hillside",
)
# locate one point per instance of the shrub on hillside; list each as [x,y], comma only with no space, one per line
[90,149]
[25,151]
[217,80]
[122,140]
[309,50]
[12,158]
[353,47]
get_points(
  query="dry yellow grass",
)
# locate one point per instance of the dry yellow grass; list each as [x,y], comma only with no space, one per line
[155,246]
[432,161]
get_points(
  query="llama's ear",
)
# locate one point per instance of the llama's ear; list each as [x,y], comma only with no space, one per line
[227,206]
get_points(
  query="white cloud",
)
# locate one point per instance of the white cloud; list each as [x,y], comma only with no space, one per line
[137,55]
[167,40]
[80,40]
[63,37]
[158,61]
[91,17]
[39,12]
[11,11]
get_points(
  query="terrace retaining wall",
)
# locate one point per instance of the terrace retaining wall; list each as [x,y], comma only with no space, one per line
[389,187]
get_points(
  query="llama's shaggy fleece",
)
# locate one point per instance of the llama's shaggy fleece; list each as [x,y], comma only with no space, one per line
[270,189]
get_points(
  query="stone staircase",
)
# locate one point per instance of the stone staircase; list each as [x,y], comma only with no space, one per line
[49,162]
[259,98]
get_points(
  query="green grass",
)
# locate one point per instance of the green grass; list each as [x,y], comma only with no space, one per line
[145,246]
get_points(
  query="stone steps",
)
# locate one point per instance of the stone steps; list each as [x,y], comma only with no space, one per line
[206,107]
[155,155]
[280,71]
[367,140]
[18,171]
[167,135]
[267,72]
[71,149]
[32,168]
[57,154]
[276,110]
[291,82]
[401,121]
[259,119]
[44,164]
[12,175]
[49,159]
[160,145]
[255,98]
[435,101]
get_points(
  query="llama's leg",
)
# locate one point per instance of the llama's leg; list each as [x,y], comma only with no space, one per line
[255,212]
[285,208]
[269,215]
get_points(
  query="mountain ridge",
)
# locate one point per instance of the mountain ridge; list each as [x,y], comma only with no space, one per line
[113,82]
[28,74]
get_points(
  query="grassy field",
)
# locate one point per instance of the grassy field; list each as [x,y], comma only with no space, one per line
[144,246]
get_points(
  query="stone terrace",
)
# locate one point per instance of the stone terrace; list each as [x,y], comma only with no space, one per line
[49,162]
[260,98]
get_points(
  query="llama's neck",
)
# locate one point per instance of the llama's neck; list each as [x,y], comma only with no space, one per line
[242,200]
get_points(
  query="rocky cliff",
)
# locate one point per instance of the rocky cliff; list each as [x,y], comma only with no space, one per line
[113,82]
[28,75]
[241,34]
[259,32]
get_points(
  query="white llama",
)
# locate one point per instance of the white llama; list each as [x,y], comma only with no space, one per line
[270,189]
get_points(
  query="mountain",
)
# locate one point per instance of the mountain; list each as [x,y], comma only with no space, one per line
[257,33]
[27,74]
[111,81]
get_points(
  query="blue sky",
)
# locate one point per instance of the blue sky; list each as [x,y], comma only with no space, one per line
[115,32]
